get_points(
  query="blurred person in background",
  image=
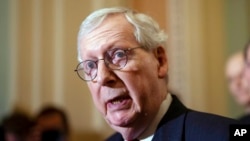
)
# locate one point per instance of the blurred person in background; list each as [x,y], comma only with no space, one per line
[17,127]
[247,62]
[2,136]
[52,124]
[246,118]
[123,60]
[237,82]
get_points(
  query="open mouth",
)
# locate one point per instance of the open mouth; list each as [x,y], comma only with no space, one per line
[119,103]
[119,100]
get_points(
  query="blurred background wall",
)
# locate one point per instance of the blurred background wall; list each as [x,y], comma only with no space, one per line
[38,54]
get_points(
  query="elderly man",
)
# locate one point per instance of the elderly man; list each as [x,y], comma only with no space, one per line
[123,60]
[247,62]
[237,82]
[246,118]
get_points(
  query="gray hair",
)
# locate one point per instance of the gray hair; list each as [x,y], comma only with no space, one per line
[147,31]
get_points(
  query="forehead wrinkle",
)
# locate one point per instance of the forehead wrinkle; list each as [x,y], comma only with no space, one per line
[106,38]
[109,36]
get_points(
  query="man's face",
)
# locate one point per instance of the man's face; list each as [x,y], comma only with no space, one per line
[127,96]
[237,85]
[247,66]
[236,80]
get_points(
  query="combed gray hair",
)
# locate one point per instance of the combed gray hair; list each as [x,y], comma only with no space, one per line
[147,31]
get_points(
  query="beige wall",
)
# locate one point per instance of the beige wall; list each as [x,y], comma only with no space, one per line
[43,44]
[43,47]
[157,10]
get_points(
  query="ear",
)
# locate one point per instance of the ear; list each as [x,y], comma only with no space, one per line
[161,57]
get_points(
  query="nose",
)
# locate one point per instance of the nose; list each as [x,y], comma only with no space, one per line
[105,76]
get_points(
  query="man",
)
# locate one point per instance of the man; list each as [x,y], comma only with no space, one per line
[246,118]
[123,60]
[247,62]
[237,82]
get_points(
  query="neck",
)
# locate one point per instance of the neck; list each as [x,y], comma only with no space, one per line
[153,126]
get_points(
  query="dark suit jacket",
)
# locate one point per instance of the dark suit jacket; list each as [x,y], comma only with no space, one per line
[245,119]
[182,124]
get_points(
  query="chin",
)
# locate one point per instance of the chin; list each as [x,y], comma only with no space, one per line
[128,133]
[124,122]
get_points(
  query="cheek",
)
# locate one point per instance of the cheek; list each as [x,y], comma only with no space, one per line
[139,75]
[96,97]
[247,75]
[139,80]
[143,66]
[248,72]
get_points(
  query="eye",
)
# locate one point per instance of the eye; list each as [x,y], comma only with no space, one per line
[119,54]
[89,65]
[118,57]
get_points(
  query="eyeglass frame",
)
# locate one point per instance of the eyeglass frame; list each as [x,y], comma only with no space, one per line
[105,62]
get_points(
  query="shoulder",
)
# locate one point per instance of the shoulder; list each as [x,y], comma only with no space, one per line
[205,125]
[245,119]
[206,118]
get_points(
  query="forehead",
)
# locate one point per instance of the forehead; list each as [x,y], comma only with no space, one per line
[115,29]
[235,66]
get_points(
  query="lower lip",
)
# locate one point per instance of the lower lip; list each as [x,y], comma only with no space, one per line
[122,105]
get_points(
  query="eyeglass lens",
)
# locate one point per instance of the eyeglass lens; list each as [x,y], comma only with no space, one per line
[114,59]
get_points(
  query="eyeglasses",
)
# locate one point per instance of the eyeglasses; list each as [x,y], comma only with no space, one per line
[114,59]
